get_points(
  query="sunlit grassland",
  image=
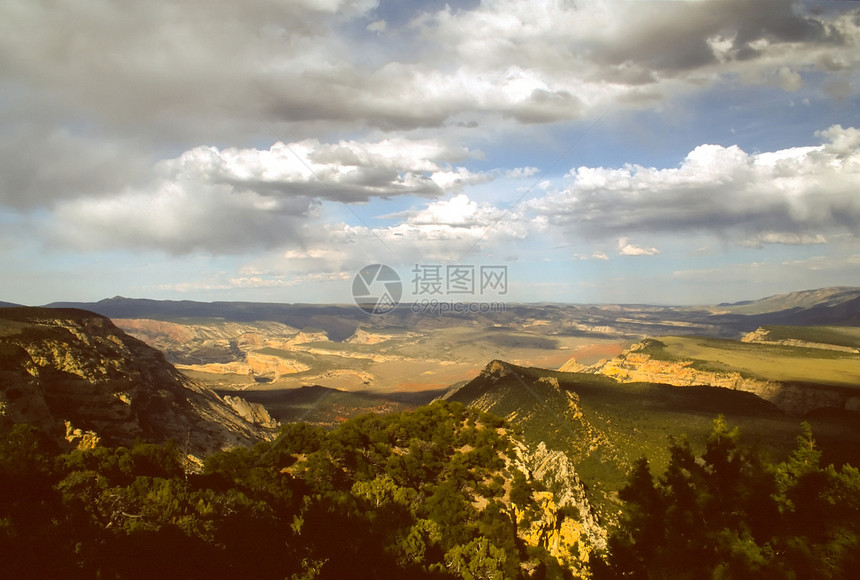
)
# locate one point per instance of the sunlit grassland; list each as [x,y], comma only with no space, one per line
[836,335]
[775,362]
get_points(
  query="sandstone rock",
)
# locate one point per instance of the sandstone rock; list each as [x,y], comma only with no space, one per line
[571,366]
[273,367]
[254,413]
[71,367]
[569,539]
[215,341]
[262,366]
[82,440]
[635,366]
[361,336]
[762,336]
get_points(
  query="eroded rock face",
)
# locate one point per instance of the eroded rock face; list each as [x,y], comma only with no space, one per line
[361,336]
[635,366]
[82,440]
[69,370]
[572,366]
[254,413]
[213,342]
[256,366]
[565,524]
[762,336]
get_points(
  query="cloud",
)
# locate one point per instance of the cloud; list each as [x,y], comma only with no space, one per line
[627,249]
[598,255]
[457,212]
[558,60]
[209,74]
[180,218]
[448,230]
[796,195]
[92,98]
[764,238]
[347,171]
[521,172]
[41,162]
[233,200]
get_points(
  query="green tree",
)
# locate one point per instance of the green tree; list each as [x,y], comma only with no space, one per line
[730,514]
[477,560]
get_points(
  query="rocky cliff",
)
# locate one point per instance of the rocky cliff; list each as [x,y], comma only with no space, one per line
[75,374]
[635,366]
[565,524]
[763,336]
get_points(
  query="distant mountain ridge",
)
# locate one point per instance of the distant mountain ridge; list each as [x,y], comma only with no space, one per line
[836,305]
[339,321]
[833,305]
[830,296]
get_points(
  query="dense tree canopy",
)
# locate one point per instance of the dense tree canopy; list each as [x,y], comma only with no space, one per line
[731,514]
[423,494]
[383,497]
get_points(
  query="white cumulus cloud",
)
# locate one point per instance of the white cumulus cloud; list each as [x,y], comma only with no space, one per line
[627,249]
[797,195]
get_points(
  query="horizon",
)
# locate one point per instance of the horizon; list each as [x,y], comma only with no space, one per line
[683,153]
[403,303]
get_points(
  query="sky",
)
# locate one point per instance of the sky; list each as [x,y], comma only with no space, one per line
[634,151]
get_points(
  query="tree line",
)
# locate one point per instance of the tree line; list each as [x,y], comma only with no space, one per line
[421,494]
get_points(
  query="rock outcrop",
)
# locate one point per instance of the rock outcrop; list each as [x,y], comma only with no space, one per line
[254,413]
[213,341]
[762,336]
[75,374]
[262,367]
[565,524]
[572,366]
[361,336]
[634,366]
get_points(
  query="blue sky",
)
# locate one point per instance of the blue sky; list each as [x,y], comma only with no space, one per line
[603,151]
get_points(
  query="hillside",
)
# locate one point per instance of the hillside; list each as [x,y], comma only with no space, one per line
[795,301]
[824,306]
[440,492]
[603,426]
[325,407]
[837,338]
[337,321]
[74,374]
[797,375]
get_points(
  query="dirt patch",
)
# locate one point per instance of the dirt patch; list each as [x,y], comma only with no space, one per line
[590,354]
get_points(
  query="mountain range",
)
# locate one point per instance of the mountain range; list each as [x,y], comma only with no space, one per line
[834,305]
[75,373]
[574,433]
